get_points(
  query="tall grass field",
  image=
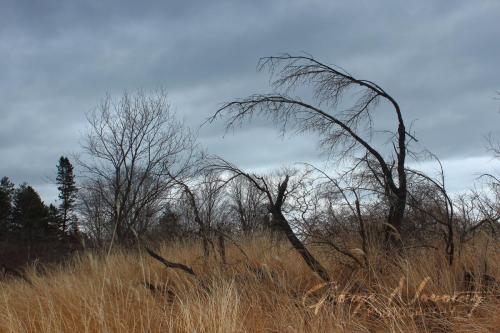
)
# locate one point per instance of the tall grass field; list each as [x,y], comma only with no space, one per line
[270,291]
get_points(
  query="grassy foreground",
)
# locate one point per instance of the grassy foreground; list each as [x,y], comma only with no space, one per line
[273,291]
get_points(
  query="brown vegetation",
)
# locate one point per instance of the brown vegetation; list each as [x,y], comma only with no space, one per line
[271,291]
[366,245]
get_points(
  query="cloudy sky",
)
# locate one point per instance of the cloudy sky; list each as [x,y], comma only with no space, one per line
[439,59]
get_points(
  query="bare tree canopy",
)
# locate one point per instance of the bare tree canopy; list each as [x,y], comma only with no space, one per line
[134,148]
[341,130]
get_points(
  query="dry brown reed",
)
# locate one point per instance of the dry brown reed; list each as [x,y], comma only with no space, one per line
[273,292]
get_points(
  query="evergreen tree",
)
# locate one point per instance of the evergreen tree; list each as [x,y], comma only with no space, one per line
[54,222]
[30,216]
[67,193]
[6,194]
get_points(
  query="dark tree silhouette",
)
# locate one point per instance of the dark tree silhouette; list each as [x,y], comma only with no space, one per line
[67,192]
[341,129]
[55,222]
[6,194]
[30,216]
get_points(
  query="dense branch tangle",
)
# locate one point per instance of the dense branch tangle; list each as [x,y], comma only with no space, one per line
[133,147]
[276,194]
[338,129]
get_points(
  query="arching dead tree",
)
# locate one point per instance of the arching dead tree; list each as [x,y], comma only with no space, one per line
[341,130]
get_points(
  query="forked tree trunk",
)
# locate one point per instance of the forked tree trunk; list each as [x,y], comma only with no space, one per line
[282,224]
[297,244]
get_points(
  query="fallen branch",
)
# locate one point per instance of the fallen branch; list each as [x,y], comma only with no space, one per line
[170,264]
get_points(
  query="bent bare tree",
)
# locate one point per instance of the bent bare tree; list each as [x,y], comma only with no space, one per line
[341,130]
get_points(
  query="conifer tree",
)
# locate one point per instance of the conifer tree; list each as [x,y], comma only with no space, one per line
[29,216]
[67,192]
[54,222]
[6,194]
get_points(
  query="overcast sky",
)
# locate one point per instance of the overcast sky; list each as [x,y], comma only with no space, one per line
[439,59]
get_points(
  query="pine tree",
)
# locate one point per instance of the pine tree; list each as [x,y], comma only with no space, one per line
[6,194]
[67,192]
[30,215]
[54,222]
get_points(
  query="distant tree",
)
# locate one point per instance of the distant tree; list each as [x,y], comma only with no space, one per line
[67,192]
[247,204]
[94,213]
[276,191]
[30,216]
[6,194]
[203,203]
[170,226]
[54,221]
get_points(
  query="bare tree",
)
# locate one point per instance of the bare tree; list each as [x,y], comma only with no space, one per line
[481,207]
[247,204]
[206,205]
[276,194]
[94,213]
[431,198]
[133,147]
[344,195]
[340,130]
[477,210]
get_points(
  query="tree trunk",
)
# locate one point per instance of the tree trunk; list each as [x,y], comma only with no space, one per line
[222,249]
[309,259]
[395,220]
[206,248]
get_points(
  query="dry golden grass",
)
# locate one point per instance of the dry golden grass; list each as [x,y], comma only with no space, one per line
[130,292]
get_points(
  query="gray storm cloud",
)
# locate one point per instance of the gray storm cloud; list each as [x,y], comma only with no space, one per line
[58,59]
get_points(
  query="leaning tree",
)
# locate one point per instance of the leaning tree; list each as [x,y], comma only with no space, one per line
[276,192]
[344,129]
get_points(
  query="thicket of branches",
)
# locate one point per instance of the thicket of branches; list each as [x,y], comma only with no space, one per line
[144,177]
[376,204]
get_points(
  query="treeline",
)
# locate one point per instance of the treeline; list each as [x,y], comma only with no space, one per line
[30,229]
